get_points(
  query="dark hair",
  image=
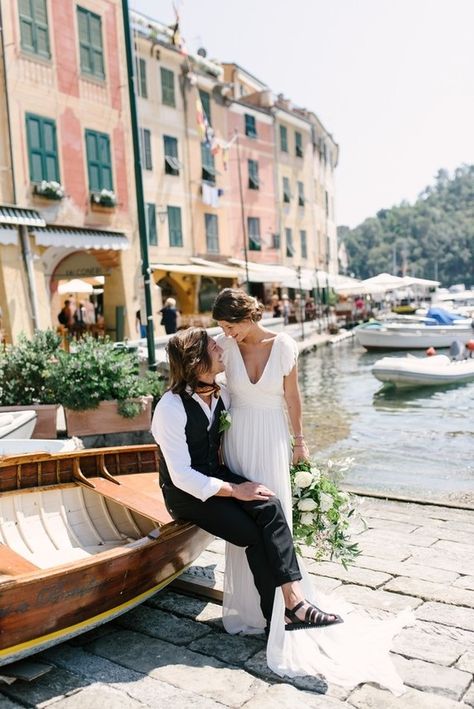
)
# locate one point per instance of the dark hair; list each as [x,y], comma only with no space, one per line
[235,305]
[188,357]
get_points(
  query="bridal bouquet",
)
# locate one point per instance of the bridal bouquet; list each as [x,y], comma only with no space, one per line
[321,510]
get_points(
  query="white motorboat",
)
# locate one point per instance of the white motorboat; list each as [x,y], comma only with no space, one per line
[411,371]
[20,446]
[17,424]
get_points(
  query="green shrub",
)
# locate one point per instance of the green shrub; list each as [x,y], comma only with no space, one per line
[25,370]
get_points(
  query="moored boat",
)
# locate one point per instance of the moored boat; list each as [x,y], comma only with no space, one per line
[413,371]
[17,424]
[407,336]
[84,537]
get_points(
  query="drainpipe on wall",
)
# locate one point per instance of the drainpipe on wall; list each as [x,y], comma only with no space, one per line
[24,236]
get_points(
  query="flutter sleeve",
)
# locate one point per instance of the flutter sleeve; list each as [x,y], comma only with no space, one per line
[225,343]
[288,353]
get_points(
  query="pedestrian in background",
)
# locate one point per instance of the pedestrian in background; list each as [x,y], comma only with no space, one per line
[169,316]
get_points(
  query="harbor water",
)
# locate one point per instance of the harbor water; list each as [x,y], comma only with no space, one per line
[417,443]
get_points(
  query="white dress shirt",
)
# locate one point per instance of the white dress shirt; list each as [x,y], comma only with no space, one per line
[168,429]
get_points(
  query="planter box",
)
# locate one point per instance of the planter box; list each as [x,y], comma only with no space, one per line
[45,418]
[106,419]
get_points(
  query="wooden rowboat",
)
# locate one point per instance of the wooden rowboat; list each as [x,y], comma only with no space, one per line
[84,537]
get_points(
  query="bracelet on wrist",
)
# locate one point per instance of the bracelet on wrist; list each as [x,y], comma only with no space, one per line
[299,445]
[299,435]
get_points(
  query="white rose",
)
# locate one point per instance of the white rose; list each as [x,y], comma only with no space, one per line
[326,502]
[307,505]
[316,474]
[307,518]
[303,479]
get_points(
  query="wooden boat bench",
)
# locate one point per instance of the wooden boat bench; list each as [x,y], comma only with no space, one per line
[12,564]
[143,504]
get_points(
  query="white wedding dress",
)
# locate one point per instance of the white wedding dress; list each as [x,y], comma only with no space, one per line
[257,446]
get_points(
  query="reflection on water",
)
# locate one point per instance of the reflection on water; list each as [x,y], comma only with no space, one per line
[419,441]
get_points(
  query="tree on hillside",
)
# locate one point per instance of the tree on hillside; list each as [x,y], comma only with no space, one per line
[432,238]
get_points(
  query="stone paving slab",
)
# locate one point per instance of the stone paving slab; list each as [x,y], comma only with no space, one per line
[172,651]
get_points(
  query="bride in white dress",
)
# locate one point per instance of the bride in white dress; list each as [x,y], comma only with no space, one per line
[261,376]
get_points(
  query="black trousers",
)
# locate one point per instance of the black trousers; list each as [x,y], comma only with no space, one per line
[260,527]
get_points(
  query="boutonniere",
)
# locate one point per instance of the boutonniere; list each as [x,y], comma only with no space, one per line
[225,420]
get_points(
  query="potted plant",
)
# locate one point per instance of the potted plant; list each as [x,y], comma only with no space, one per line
[104,198]
[25,379]
[49,189]
[101,391]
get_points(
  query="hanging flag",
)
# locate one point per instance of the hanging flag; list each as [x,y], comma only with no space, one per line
[200,119]
[176,39]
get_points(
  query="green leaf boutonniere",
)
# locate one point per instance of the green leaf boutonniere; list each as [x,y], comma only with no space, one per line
[225,420]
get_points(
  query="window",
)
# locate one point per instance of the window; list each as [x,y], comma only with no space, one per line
[90,43]
[212,233]
[326,202]
[206,104]
[172,163]
[151,232]
[276,241]
[99,163]
[304,244]
[42,148]
[301,199]
[145,149]
[253,227]
[290,251]
[298,145]
[167,87]
[140,77]
[283,139]
[250,126]
[174,226]
[208,167]
[253,175]
[286,190]
[34,27]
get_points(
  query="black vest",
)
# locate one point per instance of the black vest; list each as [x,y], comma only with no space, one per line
[203,445]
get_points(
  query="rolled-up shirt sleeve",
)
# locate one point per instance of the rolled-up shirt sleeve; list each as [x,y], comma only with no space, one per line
[168,429]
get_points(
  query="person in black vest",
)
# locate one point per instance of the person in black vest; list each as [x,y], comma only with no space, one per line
[198,488]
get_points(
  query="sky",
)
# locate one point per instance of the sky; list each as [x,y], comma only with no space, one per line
[391,80]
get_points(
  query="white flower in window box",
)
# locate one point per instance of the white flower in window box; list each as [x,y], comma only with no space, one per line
[105,198]
[50,189]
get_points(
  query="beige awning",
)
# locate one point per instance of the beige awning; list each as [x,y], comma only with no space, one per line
[20,217]
[81,238]
[196,269]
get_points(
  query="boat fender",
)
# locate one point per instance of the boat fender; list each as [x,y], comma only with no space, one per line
[470,347]
[430,352]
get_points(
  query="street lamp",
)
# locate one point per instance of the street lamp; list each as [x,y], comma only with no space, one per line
[302,312]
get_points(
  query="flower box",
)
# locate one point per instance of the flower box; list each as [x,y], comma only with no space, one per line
[104,198]
[106,419]
[49,190]
[46,415]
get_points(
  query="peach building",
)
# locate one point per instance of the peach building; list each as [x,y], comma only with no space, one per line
[67,206]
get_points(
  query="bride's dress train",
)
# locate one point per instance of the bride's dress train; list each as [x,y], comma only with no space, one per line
[257,447]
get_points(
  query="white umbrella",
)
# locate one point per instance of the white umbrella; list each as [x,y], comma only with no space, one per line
[75,286]
[412,281]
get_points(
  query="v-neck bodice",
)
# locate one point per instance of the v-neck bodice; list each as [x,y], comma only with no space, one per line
[266,363]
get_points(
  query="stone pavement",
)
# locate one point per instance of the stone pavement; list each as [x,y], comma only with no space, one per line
[172,652]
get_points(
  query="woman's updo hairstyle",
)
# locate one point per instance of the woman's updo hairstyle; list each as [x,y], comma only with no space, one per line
[234,305]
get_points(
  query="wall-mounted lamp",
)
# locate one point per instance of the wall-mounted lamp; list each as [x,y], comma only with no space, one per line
[162,213]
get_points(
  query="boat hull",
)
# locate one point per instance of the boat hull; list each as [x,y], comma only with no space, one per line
[391,337]
[405,372]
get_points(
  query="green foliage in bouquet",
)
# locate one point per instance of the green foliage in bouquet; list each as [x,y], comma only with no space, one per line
[322,510]
[25,370]
[97,371]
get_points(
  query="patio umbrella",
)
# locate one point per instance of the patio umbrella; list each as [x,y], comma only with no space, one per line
[75,286]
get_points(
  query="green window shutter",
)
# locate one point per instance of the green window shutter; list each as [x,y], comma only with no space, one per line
[298,145]
[304,244]
[90,43]
[167,87]
[290,251]
[212,233]
[208,166]
[34,33]
[145,149]
[286,190]
[301,199]
[171,155]
[174,226]
[140,77]
[250,126]
[283,139]
[253,228]
[254,182]
[206,104]
[99,161]
[42,148]
[151,224]
[275,241]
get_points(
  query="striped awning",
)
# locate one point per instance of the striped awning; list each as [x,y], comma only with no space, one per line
[81,238]
[8,236]
[20,217]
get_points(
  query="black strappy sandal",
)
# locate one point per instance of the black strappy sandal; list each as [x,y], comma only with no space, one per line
[314,617]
